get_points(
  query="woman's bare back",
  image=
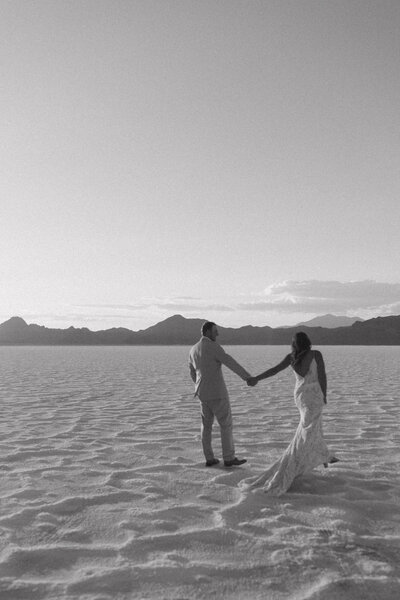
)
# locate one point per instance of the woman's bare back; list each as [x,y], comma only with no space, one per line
[304,365]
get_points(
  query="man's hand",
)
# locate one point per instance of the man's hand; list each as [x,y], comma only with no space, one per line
[252,381]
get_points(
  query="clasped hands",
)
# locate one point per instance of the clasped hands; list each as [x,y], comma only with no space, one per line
[252,381]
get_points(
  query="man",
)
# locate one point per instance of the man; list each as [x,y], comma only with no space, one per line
[205,361]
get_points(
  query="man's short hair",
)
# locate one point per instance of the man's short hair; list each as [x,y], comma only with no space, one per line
[207,326]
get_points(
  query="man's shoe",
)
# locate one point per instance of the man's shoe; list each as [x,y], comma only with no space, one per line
[235,462]
[212,462]
[331,461]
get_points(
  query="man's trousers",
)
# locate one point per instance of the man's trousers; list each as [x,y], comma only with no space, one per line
[219,408]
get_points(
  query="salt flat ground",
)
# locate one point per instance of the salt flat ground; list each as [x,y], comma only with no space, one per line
[104,493]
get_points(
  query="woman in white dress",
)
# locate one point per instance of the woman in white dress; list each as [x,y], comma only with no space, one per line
[308,448]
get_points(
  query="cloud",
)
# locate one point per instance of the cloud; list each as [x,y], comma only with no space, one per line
[327,296]
[187,298]
[71,318]
[177,306]
[115,306]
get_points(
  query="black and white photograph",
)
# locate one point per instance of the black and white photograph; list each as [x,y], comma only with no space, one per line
[200,300]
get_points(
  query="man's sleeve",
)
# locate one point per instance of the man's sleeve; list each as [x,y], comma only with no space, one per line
[230,362]
[192,370]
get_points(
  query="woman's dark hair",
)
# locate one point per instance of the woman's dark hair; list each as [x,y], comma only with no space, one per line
[301,344]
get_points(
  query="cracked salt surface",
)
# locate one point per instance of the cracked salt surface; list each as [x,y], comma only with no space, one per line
[104,493]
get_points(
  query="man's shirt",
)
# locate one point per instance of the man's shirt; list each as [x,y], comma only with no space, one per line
[205,361]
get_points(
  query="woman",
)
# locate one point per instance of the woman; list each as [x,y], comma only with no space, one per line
[308,448]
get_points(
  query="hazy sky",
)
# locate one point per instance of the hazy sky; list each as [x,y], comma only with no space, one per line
[236,160]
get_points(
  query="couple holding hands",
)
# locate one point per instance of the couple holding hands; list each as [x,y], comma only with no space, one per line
[307,448]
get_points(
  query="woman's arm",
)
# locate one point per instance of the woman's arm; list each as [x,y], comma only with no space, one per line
[321,373]
[270,372]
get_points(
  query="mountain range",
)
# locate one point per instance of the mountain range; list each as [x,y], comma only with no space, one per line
[329,321]
[178,330]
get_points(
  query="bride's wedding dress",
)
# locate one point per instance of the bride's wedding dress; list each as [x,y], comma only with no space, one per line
[308,448]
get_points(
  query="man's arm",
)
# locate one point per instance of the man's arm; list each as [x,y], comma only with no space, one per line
[230,362]
[192,372]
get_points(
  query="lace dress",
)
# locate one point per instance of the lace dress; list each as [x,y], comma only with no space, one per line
[308,448]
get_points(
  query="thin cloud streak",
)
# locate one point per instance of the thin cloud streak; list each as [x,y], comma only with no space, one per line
[195,308]
[115,306]
[76,317]
[179,305]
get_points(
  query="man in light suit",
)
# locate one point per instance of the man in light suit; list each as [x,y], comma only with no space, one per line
[205,361]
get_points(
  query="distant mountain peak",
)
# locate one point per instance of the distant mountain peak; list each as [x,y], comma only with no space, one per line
[14,323]
[330,321]
[177,318]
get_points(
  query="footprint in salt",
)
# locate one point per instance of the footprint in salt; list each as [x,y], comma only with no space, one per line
[182,460]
